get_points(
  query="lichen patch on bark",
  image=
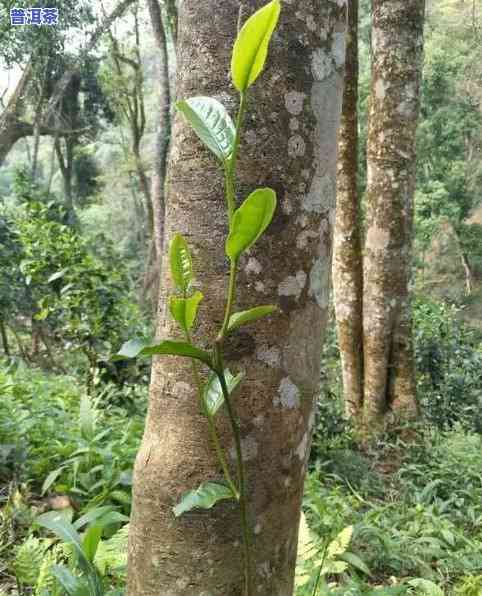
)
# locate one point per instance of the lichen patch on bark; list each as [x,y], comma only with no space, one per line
[288,395]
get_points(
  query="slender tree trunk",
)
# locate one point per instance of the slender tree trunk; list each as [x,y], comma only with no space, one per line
[464,258]
[469,275]
[163,133]
[347,256]
[23,352]
[52,166]
[397,41]
[291,146]
[66,169]
[163,138]
[10,126]
[3,335]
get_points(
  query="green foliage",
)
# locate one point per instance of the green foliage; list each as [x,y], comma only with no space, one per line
[449,170]
[448,358]
[213,392]
[136,348]
[420,528]
[84,451]
[251,47]
[317,560]
[28,560]
[250,316]
[250,221]
[184,310]
[181,264]
[76,298]
[204,497]
[212,124]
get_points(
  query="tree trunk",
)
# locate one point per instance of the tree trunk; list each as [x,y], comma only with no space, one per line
[397,41]
[464,258]
[10,126]
[3,335]
[469,275]
[347,256]
[163,136]
[290,145]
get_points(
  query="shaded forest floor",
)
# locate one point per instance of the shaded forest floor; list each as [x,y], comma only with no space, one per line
[410,515]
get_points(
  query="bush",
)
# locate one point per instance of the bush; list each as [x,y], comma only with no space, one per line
[448,358]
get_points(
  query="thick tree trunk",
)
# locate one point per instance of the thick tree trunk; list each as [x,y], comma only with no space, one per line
[290,145]
[397,41]
[347,256]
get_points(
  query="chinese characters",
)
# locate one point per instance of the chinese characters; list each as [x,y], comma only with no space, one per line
[34,16]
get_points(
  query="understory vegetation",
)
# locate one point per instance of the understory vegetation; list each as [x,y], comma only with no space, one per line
[399,516]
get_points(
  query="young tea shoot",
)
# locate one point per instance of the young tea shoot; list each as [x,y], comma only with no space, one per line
[215,128]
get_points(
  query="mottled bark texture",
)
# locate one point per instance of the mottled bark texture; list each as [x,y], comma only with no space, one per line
[163,136]
[290,144]
[347,255]
[397,41]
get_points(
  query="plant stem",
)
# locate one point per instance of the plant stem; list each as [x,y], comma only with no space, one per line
[212,427]
[230,170]
[230,300]
[230,165]
[242,482]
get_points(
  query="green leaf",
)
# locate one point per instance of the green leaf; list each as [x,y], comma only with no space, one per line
[212,124]
[205,497]
[249,316]
[250,221]
[131,349]
[51,478]
[213,393]
[251,46]
[57,275]
[57,524]
[91,542]
[355,561]
[184,310]
[136,348]
[340,544]
[91,516]
[426,586]
[74,586]
[181,263]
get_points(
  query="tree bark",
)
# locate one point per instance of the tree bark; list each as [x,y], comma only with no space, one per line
[397,40]
[291,145]
[10,131]
[164,128]
[3,335]
[347,256]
